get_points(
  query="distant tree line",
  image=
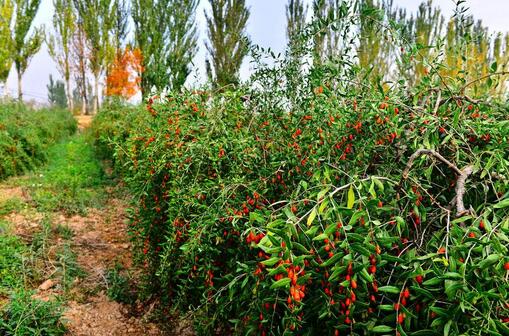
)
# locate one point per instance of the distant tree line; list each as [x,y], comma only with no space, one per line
[90,43]
[470,51]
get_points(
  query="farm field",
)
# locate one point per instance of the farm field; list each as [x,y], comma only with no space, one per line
[353,182]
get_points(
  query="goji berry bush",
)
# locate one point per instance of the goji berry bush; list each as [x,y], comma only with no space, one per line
[320,202]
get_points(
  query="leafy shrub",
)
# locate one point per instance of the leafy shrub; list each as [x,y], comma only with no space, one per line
[25,315]
[25,135]
[119,286]
[320,203]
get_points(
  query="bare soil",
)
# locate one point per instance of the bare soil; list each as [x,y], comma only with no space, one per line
[100,241]
[84,121]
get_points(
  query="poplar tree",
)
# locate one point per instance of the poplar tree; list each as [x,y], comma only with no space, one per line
[60,43]
[319,13]
[429,23]
[56,93]
[501,57]
[165,32]
[182,42]
[374,47]
[80,65]
[228,42]
[97,18]
[25,46]
[296,13]
[121,25]
[6,12]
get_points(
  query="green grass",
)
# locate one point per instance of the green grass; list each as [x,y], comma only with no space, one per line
[12,253]
[25,315]
[11,205]
[72,180]
[25,265]
[120,285]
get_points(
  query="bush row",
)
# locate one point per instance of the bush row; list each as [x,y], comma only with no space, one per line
[265,221]
[25,135]
[320,202]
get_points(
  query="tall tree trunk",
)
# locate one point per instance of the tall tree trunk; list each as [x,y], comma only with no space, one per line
[96,94]
[70,102]
[20,92]
[84,94]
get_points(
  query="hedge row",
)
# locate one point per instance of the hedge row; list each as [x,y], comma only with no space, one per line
[26,133]
[262,219]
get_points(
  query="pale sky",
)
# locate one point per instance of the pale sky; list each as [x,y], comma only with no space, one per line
[266,27]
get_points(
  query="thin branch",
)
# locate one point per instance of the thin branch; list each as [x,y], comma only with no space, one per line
[428,152]
[437,105]
[460,190]
[462,90]
[464,97]
[460,182]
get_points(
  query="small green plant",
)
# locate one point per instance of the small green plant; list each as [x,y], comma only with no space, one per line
[119,285]
[41,239]
[12,253]
[11,205]
[26,316]
[64,231]
[67,266]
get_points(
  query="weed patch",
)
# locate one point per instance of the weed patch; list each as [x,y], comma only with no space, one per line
[71,181]
[25,315]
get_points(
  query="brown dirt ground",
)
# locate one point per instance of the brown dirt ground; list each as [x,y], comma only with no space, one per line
[7,192]
[84,121]
[99,241]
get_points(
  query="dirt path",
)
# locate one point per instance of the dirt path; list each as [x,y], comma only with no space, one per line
[84,121]
[98,242]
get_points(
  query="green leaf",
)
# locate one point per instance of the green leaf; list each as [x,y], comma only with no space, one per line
[461,219]
[422,291]
[493,66]
[323,205]
[490,260]
[372,189]
[432,282]
[447,328]
[502,204]
[441,311]
[321,237]
[271,262]
[379,184]
[336,273]
[312,216]
[332,260]
[452,275]
[281,283]
[366,276]
[389,289]
[351,198]
[382,329]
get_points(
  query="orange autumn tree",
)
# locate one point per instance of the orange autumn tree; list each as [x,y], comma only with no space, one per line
[123,79]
